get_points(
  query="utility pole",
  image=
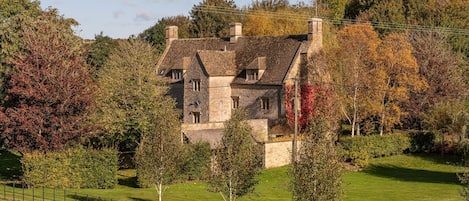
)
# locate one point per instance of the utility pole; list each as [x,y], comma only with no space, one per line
[295,109]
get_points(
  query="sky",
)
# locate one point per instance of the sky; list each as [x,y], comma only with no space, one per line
[120,18]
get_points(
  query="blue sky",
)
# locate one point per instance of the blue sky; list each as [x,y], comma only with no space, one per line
[120,18]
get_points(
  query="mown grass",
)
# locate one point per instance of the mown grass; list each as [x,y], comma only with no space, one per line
[403,177]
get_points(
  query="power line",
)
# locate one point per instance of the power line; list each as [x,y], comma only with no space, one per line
[304,17]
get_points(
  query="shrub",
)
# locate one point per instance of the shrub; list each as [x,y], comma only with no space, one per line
[71,168]
[421,141]
[196,164]
[360,148]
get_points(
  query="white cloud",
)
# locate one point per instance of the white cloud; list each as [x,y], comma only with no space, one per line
[144,16]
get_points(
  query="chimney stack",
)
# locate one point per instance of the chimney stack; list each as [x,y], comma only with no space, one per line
[315,32]
[235,31]
[171,34]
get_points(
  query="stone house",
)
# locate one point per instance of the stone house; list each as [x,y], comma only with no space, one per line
[212,76]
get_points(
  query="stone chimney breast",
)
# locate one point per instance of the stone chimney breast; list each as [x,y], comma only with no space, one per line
[315,32]
[171,34]
[236,31]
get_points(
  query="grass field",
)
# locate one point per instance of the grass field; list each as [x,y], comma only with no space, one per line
[403,177]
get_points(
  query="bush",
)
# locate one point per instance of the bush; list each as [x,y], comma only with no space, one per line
[421,141]
[360,148]
[196,164]
[71,168]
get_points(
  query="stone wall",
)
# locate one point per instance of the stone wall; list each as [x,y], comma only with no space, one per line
[219,90]
[250,99]
[278,154]
[196,101]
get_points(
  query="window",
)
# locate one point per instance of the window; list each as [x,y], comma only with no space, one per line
[195,117]
[196,85]
[265,103]
[252,75]
[235,102]
[177,74]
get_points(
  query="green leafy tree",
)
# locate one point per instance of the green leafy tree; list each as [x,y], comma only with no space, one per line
[98,52]
[237,159]
[127,94]
[317,175]
[206,23]
[157,33]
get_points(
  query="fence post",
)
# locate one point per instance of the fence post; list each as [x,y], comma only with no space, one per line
[23,191]
[4,192]
[65,195]
[43,193]
[33,193]
[53,194]
[13,190]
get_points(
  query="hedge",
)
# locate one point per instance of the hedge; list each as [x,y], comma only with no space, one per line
[71,168]
[359,149]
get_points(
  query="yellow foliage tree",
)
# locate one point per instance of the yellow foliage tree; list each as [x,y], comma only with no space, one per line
[401,77]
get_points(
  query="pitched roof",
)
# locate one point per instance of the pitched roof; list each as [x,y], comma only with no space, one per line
[218,63]
[278,51]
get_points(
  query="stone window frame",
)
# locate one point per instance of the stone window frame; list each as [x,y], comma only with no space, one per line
[195,117]
[265,103]
[176,74]
[196,84]
[234,102]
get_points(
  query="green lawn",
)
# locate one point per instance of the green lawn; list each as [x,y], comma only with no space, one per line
[404,177]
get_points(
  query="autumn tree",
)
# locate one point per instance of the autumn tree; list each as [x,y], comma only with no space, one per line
[443,71]
[401,77]
[274,21]
[156,35]
[356,73]
[98,52]
[237,159]
[11,14]
[48,89]
[206,23]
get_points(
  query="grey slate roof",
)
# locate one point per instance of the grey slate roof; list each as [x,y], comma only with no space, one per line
[278,51]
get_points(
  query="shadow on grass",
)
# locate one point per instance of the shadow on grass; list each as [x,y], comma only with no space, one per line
[139,199]
[85,198]
[10,165]
[412,175]
[128,181]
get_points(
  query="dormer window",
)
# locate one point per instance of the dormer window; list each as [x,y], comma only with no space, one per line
[176,74]
[252,75]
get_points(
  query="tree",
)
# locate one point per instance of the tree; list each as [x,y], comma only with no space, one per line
[401,77]
[317,172]
[133,109]
[356,73]
[48,89]
[443,71]
[127,94]
[156,35]
[212,24]
[237,159]
[11,15]
[98,52]
[317,175]
[274,21]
